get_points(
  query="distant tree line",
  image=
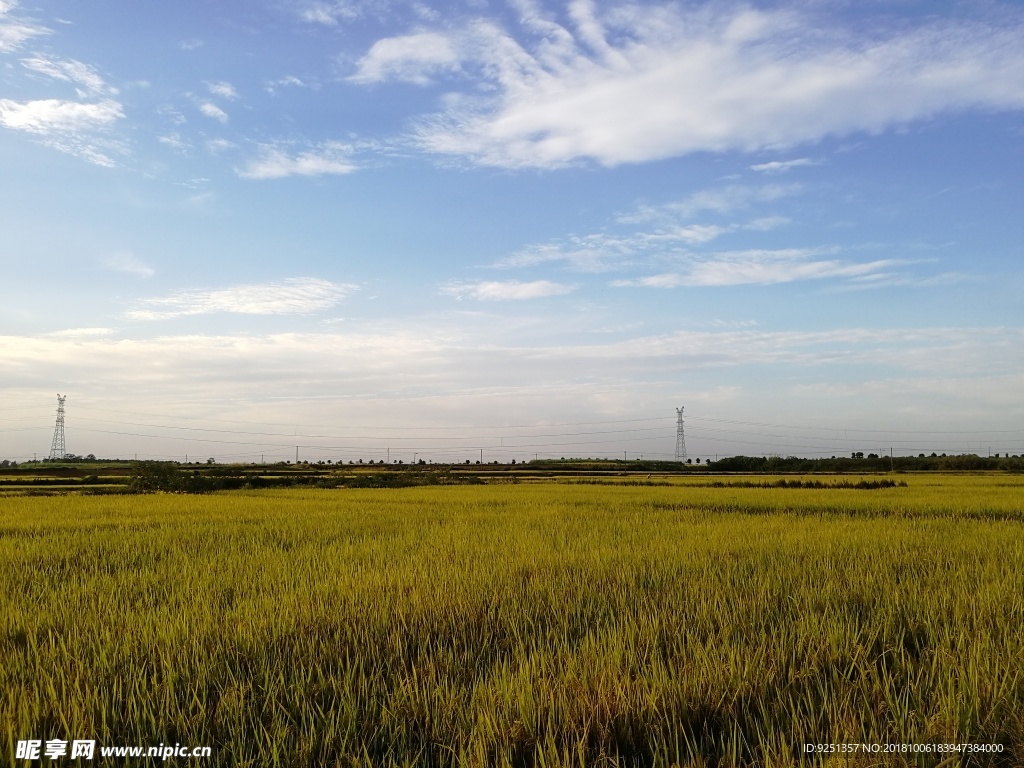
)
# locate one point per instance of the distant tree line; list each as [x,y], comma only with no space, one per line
[858,462]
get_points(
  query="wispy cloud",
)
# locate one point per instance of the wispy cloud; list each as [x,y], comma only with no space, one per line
[289,81]
[79,126]
[80,333]
[657,231]
[331,14]
[85,78]
[15,30]
[761,267]
[781,166]
[216,146]
[69,126]
[129,263]
[717,200]
[174,140]
[509,290]
[210,109]
[588,253]
[639,83]
[275,162]
[293,296]
[223,90]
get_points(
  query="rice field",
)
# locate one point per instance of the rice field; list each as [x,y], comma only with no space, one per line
[530,624]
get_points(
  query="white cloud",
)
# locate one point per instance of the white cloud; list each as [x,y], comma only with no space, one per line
[174,141]
[412,58]
[667,234]
[68,126]
[15,31]
[129,263]
[80,333]
[274,163]
[781,166]
[589,253]
[289,81]
[719,200]
[766,223]
[70,71]
[294,296]
[641,83]
[331,14]
[761,267]
[216,146]
[49,116]
[223,90]
[602,252]
[492,290]
[212,110]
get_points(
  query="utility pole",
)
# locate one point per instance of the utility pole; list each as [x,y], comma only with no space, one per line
[481,455]
[296,454]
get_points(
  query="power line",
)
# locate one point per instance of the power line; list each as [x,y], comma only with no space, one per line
[851,429]
[292,444]
[379,427]
[368,437]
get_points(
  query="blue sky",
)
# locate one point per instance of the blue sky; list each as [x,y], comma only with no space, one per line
[440,229]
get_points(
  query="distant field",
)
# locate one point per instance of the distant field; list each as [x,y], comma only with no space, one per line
[529,624]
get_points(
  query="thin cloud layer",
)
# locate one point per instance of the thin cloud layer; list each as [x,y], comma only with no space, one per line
[129,264]
[717,200]
[293,296]
[431,363]
[658,233]
[509,290]
[642,83]
[275,162]
[761,267]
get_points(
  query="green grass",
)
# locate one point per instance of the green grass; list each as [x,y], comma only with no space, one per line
[531,624]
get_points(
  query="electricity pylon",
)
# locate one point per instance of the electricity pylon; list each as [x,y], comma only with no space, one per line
[680,437]
[58,450]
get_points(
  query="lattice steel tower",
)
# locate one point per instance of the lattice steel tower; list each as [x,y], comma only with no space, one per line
[680,437]
[57,449]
